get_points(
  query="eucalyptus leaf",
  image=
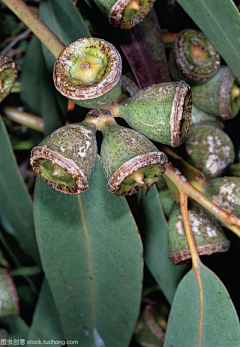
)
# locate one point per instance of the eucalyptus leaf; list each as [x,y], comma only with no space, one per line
[145,52]
[220,326]
[15,202]
[45,324]
[64,19]
[220,22]
[26,271]
[92,259]
[154,229]
[38,91]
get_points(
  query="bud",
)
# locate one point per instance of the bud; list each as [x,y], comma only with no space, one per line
[219,96]
[162,112]
[209,149]
[193,58]
[225,192]
[65,159]
[207,232]
[130,161]
[8,75]
[88,72]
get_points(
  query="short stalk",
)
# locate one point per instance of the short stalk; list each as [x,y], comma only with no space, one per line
[230,220]
[194,175]
[43,33]
[169,37]
[24,118]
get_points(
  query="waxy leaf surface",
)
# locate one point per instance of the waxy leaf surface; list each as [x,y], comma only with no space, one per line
[220,326]
[15,202]
[45,323]
[92,258]
[155,235]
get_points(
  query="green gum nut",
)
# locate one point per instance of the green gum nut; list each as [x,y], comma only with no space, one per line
[8,75]
[162,112]
[9,302]
[193,58]
[209,149]
[219,96]
[88,72]
[208,234]
[124,14]
[150,329]
[201,117]
[225,192]
[65,159]
[130,161]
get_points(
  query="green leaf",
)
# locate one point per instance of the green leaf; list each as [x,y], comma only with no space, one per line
[26,271]
[92,259]
[45,324]
[38,91]
[63,18]
[17,328]
[15,202]
[220,22]
[155,235]
[220,326]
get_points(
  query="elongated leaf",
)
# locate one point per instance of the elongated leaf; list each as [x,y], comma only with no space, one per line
[155,233]
[16,327]
[63,18]
[45,324]
[92,258]
[220,326]
[38,91]
[220,22]
[145,52]
[15,202]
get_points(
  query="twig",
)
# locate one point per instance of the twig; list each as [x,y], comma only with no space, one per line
[44,34]
[230,220]
[24,118]
[18,38]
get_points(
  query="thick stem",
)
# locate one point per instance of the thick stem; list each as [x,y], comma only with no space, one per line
[194,175]
[24,118]
[43,33]
[195,257]
[230,220]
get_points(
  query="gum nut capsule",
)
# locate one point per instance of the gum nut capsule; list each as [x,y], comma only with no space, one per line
[151,326]
[207,232]
[193,58]
[129,88]
[219,96]
[9,302]
[225,192]
[88,72]
[162,112]
[201,117]
[8,75]
[209,149]
[65,159]
[130,161]
[124,14]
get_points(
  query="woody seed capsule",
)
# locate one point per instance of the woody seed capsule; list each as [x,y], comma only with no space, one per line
[88,72]
[130,161]
[65,159]
[162,112]
[207,232]
[8,75]
[193,58]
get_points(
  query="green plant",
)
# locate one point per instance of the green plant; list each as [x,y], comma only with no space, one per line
[88,245]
